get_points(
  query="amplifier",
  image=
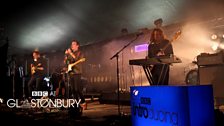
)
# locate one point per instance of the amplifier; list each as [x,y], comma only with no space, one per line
[205,59]
[213,75]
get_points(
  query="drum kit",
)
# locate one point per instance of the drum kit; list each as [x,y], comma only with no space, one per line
[57,83]
[191,74]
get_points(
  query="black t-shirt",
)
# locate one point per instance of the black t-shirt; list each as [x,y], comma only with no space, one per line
[154,48]
[77,69]
[40,63]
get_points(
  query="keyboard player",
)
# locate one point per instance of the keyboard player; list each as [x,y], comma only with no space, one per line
[159,47]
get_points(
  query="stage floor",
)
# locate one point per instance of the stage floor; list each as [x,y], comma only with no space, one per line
[96,114]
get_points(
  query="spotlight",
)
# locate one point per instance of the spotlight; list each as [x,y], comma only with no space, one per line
[221,45]
[222,35]
[1,100]
[214,36]
[215,46]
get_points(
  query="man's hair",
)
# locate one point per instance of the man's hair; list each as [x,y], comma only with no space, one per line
[158,22]
[37,52]
[152,38]
[77,42]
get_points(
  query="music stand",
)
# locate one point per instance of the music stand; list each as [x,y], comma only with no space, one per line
[117,57]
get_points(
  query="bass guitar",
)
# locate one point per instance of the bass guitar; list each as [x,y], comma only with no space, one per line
[175,37]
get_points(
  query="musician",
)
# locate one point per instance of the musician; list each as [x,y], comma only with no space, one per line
[159,47]
[38,71]
[74,55]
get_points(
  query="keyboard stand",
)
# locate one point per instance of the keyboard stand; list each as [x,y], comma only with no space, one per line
[146,64]
[148,74]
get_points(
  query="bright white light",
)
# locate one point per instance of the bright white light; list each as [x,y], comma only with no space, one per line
[144,9]
[221,45]
[223,36]
[214,36]
[195,39]
[42,35]
[215,46]
[1,100]
[46,32]
[135,92]
[47,79]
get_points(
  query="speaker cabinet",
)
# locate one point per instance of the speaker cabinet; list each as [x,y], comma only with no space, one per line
[213,75]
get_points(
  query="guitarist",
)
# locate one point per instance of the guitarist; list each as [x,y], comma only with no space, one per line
[72,55]
[160,72]
[38,70]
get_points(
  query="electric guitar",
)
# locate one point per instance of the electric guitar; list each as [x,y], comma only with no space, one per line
[34,68]
[175,37]
[75,63]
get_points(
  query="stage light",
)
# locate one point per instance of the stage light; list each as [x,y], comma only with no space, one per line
[102,79]
[106,79]
[110,79]
[91,79]
[215,46]
[1,100]
[221,45]
[214,36]
[98,79]
[222,35]
[141,48]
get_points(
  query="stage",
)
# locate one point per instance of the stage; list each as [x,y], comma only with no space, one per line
[96,114]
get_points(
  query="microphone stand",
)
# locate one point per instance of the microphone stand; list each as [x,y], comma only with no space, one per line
[13,72]
[117,57]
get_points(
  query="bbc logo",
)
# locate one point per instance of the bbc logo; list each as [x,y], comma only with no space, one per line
[39,93]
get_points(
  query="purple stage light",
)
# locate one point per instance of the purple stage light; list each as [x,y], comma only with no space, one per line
[141,48]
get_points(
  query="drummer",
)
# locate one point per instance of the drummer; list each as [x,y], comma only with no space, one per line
[58,80]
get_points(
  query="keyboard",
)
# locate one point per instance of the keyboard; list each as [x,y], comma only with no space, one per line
[153,61]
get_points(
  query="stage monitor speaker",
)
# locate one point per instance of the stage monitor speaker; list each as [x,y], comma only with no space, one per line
[213,75]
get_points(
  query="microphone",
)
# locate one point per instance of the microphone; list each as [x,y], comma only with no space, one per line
[141,33]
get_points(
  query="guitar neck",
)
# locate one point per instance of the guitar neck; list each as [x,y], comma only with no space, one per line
[165,47]
[177,34]
[79,61]
[75,62]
